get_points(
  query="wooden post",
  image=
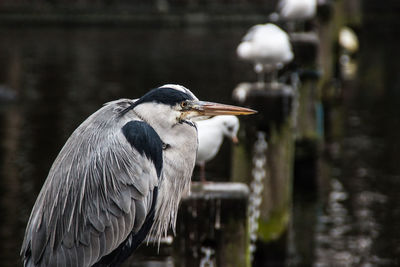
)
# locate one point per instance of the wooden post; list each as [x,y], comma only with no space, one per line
[212,226]
[273,104]
[309,128]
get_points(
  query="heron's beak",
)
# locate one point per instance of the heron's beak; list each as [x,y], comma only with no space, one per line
[214,109]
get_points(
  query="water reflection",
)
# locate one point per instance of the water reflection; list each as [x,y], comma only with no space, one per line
[355,228]
[332,229]
[207,258]
[346,232]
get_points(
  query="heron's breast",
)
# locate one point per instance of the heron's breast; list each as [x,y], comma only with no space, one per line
[180,156]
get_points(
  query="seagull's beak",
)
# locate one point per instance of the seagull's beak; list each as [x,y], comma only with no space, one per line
[203,108]
[235,140]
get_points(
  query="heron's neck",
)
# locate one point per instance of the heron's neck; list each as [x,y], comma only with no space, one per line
[178,162]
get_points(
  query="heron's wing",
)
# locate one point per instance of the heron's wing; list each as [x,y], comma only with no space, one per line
[99,195]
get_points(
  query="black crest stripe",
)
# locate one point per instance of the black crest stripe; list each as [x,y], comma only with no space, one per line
[146,141]
[164,95]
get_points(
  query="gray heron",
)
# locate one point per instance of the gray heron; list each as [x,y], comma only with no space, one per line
[268,47]
[118,179]
[211,133]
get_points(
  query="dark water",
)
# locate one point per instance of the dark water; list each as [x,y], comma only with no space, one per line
[60,76]
[367,174]
[366,180]
[353,220]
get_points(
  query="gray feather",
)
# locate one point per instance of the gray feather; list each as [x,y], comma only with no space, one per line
[81,256]
[74,255]
[114,210]
[68,260]
[61,260]
[39,241]
[103,244]
[96,222]
[140,215]
[68,240]
[109,238]
[95,247]
[84,238]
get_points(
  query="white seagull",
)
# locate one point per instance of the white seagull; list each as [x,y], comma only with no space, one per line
[211,133]
[294,11]
[268,47]
[348,40]
[297,10]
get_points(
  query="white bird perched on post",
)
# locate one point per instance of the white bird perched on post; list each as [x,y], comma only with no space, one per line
[211,134]
[297,10]
[294,11]
[268,47]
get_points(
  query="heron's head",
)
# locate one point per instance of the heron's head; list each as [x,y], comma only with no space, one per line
[175,103]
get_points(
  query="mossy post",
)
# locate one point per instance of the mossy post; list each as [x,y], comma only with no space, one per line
[309,128]
[273,104]
[212,226]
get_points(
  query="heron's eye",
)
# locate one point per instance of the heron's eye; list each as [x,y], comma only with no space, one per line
[184,104]
[165,146]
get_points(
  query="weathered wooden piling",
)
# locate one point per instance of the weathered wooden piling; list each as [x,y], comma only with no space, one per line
[212,226]
[309,133]
[274,106]
[309,113]
[305,48]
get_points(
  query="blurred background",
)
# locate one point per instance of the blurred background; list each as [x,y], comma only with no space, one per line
[61,60]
